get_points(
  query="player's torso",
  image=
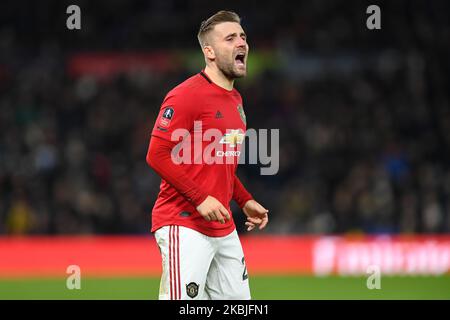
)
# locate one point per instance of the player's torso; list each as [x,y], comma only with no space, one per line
[222,111]
[216,138]
[222,127]
[211,151]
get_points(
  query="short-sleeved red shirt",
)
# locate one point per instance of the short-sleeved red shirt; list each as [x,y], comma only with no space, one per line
[199,99]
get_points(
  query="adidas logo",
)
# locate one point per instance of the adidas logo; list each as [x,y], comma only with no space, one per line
[219,115]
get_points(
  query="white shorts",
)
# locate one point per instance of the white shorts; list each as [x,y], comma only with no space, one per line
[199,267]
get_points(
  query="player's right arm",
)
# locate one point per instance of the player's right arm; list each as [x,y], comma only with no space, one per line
[180,115]
[159,158]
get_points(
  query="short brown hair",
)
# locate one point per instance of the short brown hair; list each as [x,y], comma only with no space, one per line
[219,17]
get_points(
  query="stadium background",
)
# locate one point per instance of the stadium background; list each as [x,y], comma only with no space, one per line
[364,121]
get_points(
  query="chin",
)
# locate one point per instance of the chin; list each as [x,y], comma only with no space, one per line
[240,73]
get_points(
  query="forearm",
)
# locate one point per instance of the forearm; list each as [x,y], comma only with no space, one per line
[159,159]
[240,194]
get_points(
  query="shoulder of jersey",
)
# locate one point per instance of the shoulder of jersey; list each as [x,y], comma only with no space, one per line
[191,85]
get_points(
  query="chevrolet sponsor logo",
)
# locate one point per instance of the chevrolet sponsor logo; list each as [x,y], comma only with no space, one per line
[233,138]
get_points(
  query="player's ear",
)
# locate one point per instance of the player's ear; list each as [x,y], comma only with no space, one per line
[209,52]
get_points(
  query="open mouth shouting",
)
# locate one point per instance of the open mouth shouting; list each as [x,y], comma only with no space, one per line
[240,60]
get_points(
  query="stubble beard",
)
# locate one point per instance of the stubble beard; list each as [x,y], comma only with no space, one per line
[228,69]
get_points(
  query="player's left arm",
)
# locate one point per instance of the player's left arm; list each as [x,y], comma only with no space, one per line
[256,214]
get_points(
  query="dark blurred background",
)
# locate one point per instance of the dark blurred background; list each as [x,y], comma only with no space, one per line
[364,115]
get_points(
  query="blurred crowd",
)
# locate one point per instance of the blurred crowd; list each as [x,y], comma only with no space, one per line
[364,118]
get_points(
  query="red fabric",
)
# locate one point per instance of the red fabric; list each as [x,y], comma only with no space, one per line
[240,194]
[185,185]
[159,158]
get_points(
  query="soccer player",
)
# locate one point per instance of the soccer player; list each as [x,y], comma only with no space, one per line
[201,252]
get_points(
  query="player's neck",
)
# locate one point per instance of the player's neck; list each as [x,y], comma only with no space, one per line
[219,78]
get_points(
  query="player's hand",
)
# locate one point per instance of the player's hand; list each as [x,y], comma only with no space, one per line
[212,210]
[256,215]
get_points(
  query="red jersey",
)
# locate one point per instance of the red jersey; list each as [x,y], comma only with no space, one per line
[200,109]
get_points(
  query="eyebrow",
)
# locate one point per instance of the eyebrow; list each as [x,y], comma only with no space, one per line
[235,34]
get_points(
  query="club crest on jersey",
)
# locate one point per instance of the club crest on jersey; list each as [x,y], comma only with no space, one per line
[166,117]
[242,114]
[192,289]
